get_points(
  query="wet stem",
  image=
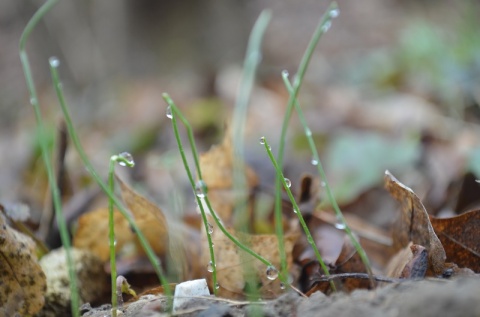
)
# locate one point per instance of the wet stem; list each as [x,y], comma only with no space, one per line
[175,111]
[121,159]
[154,260]
[62,225]
[297,210]
[302,68]
[323,176]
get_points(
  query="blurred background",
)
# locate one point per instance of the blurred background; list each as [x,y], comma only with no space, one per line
[392,85]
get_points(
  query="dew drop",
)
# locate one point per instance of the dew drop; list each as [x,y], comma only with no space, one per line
[210,228]
[269,148]
[282,286]
[288,182]
[285,73]
[323,184]
[340,225]
[262,140]
[334,13]
[169,112]
[477,180]
[294,210]
[308,132]
[314,162]
[201,189]
[127,159]
[33,101]
[210,267]
[54,61]
[217,286]
[272,273]
[326,26]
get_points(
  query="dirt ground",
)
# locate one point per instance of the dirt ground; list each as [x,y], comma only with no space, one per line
[459,297]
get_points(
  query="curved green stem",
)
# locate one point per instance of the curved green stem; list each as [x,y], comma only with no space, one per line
[174,114]
[297,211]
[126,161]
[89,167]
[175,111]
[302,68]
[321,172]
[62,225]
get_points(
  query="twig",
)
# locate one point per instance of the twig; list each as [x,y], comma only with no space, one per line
[363,276]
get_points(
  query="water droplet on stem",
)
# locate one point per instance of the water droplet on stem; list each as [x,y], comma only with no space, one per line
[262,140]
[210,228]
[127,159]
[169,112]
[272,273]
[54,61]
[288,182]
[201,189]
[326,26]
[210,267]
[334,13]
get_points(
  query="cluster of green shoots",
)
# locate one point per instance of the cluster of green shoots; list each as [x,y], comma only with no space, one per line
[199,187]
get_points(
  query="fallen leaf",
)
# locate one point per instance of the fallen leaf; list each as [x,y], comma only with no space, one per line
[22,281]
[217,172]
[92,232]
[235,267]
[149,218]
[460,238]
[410,262]
[414,225]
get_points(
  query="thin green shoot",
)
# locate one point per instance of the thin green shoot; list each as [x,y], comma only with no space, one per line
[321,172]
[173,112]
[155,261]
[296,209]
[198,188]
[322,27]
[62,225]
[124,159]
[251,62]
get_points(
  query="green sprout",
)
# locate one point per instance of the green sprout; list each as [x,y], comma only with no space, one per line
[172,112]
[123,159]
[286,184]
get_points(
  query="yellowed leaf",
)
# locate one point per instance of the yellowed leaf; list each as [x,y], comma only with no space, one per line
[22,281]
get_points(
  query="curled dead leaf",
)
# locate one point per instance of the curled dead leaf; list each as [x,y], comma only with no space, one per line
[414,224]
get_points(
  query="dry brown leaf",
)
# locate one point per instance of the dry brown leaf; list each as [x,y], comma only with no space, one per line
[460,238]
[410,262]
[149,218]
[92,232]
[234,266]
[217,172]
[22,281]
[414,225]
